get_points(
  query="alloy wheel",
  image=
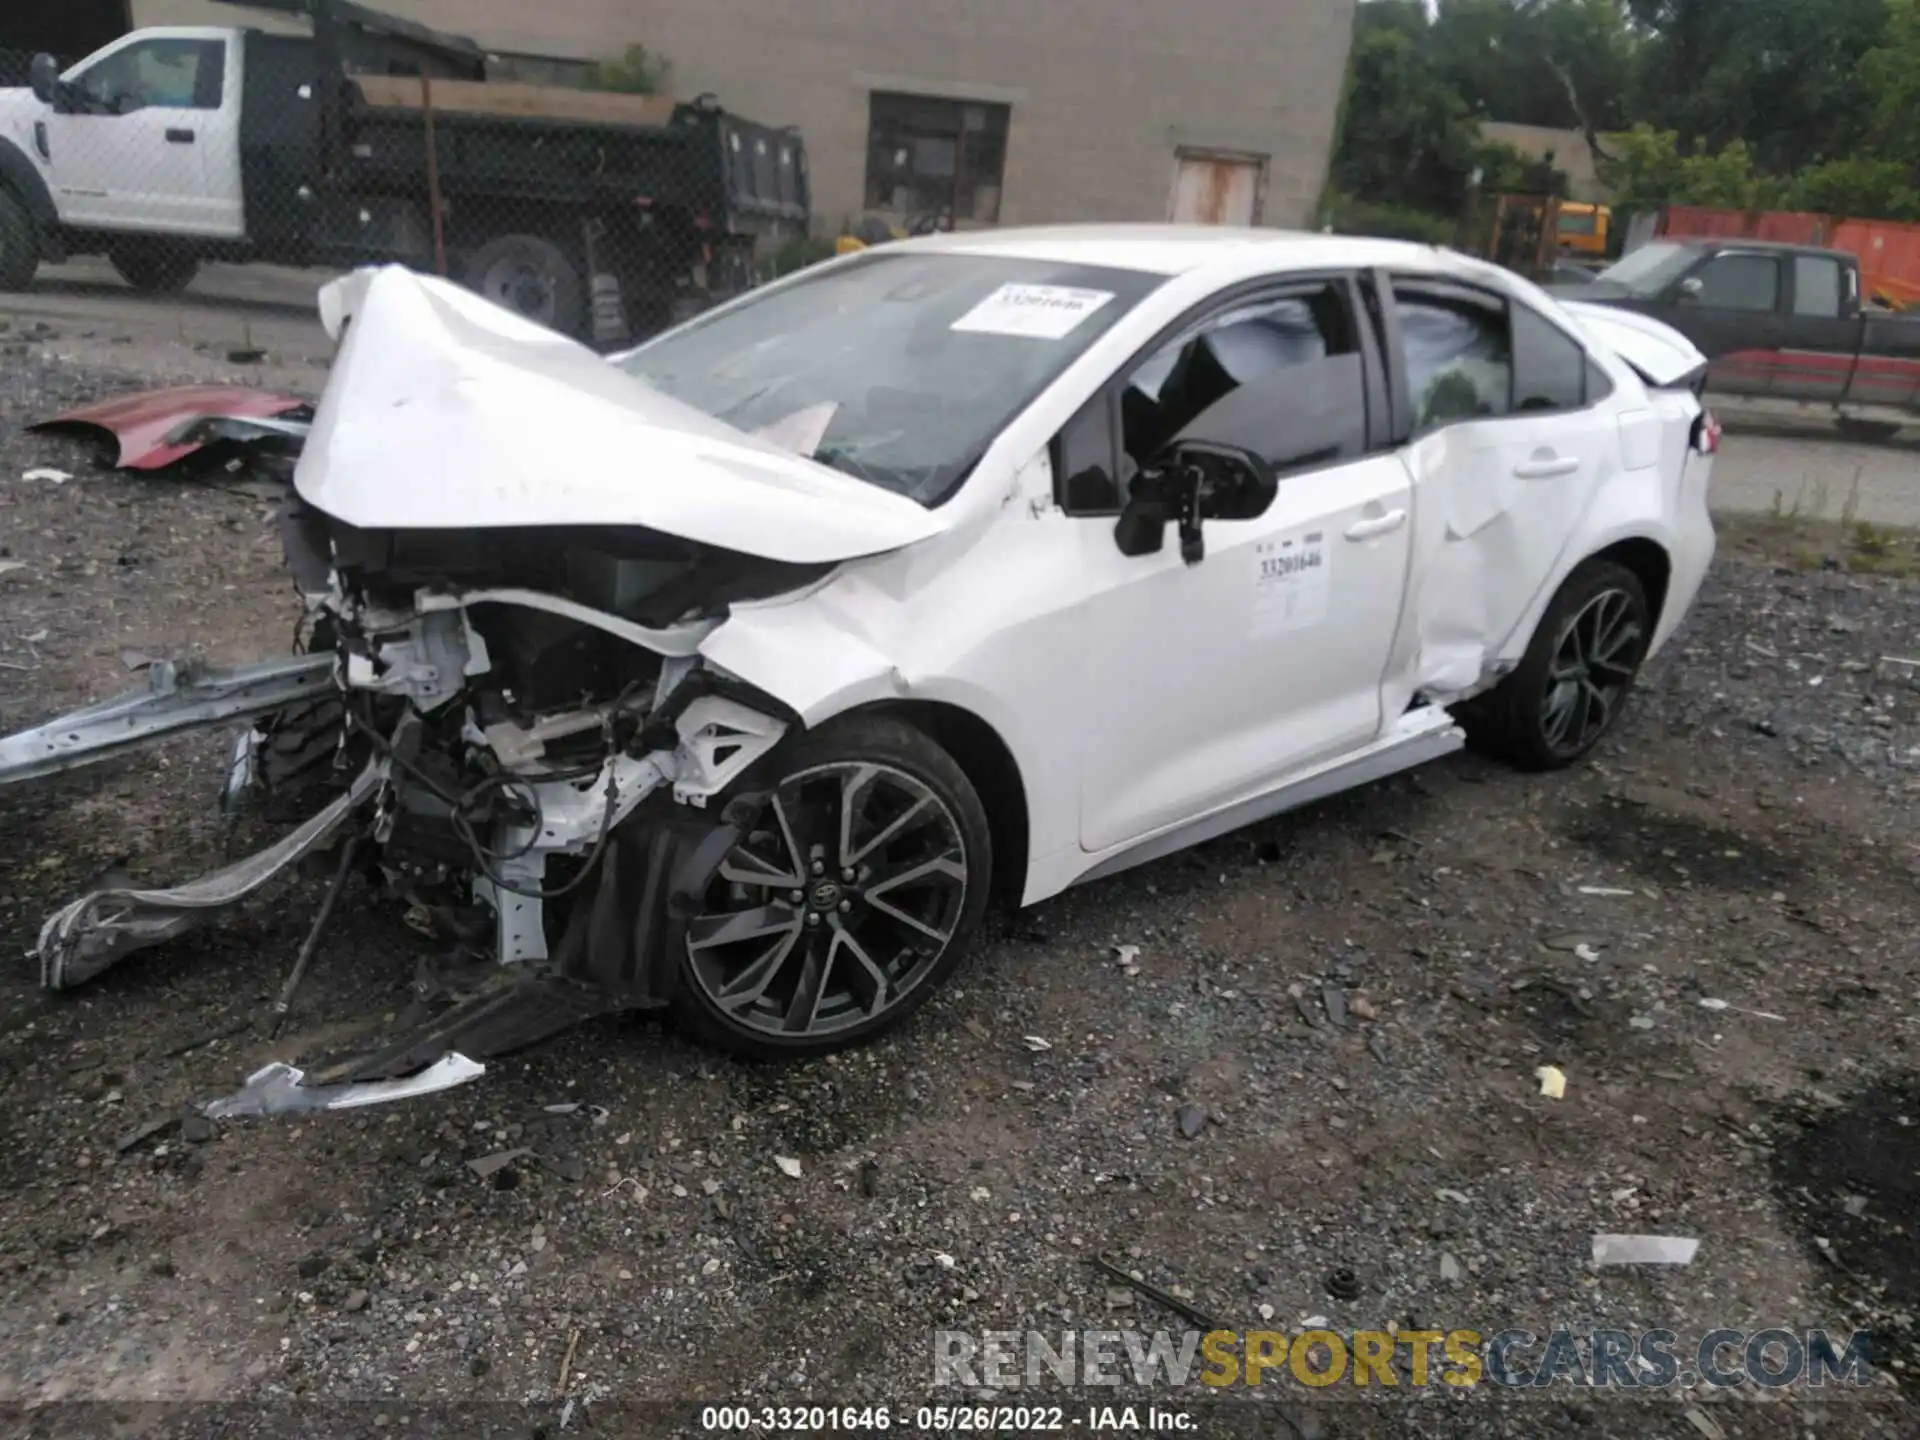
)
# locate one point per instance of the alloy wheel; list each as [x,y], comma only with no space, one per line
[1593,666]
[837,907]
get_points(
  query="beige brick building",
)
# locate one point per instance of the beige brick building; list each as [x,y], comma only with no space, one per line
[1007,111]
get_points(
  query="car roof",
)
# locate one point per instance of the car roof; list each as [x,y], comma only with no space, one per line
[1742,242]
[1173,249]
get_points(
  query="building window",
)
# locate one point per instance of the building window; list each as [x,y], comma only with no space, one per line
[540,70]
[932,158]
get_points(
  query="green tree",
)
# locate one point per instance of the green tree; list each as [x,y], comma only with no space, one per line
[1890,89]
[1782,75]
[636,72]
[1407,136]
[1857,187]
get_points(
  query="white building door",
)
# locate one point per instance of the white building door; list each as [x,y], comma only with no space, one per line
[1214,189]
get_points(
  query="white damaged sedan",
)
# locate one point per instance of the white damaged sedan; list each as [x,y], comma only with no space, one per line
[733,675]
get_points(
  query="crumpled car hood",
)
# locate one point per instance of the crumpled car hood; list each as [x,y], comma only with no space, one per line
[445,410]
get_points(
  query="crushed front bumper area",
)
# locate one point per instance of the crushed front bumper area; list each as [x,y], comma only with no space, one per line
[626,817]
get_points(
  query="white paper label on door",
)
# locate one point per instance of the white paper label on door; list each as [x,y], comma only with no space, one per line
[1033,312]
[1292,574]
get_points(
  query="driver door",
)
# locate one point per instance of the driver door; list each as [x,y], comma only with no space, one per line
[129,156]
[1214,681]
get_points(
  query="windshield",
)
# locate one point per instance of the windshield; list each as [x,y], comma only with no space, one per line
[898,369]
[1651,268]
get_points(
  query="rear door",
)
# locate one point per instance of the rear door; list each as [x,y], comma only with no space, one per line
[1511,441]
[1823,332]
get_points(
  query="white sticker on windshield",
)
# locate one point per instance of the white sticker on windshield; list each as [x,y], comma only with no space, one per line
[1291,578]
[1034,312]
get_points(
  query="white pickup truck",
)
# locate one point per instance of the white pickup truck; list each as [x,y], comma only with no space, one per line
[143,146]
[377,140]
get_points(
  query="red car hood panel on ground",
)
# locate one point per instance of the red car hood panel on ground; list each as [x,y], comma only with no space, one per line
[142,421]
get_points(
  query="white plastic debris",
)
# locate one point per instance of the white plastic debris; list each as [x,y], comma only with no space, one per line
[47,472]
[1585,952]
[1035,1043]
[1604,890]
[789,1166]
[1643,1250]
[1553,1082]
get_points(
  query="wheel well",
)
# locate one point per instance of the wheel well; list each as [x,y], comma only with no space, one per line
[989,765]
[1651,565]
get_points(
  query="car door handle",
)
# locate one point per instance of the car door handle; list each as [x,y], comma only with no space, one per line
[179,137]
[1546,468]
[1377,525]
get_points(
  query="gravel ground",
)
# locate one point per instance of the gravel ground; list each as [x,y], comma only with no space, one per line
[1305,1049]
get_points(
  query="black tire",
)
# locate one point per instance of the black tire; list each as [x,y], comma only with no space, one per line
[19,243]
[1518,719]
[155,268]
[899,942]
[1871,432]
[533,277]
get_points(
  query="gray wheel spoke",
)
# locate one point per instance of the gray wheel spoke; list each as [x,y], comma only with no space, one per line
[743,867]
[850,787]
[751,983]
[815,965]
[1560,707]
[864,976]
[944,867]
[1597,700]
[706,931]
[920,811]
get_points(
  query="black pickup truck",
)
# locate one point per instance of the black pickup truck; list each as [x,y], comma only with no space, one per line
[375,139]
[1781,322]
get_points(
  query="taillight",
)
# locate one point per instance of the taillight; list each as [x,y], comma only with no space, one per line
[1706,434]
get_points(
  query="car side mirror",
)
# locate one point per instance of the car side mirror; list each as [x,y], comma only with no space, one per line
[1192,481]
[1689,290]
[44,76]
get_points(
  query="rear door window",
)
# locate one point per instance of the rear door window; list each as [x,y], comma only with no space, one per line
[1459,356]
[1816,286]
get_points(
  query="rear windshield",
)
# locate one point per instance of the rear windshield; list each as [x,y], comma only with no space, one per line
[899,369]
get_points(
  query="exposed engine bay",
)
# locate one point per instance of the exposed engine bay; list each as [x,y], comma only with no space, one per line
[509,734]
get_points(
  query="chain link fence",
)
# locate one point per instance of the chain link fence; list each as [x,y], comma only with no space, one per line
[602,214]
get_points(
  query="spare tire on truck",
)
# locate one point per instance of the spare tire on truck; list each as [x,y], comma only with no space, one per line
[531,276]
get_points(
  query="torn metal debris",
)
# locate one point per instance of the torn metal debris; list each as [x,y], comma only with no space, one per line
[152,429]
[280,1089]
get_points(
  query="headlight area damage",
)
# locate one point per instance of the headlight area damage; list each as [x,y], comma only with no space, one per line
[508,727]
[510,763]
